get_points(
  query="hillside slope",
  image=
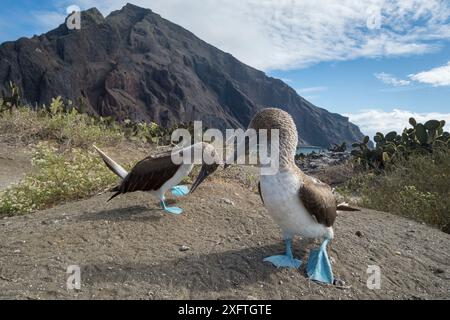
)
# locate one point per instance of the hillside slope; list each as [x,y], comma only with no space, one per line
[135,64]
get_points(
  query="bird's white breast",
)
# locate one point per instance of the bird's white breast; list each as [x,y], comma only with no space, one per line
[281,198]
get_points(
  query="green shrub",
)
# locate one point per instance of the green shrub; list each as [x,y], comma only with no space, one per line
[58,177]
[8,102]
[417,187]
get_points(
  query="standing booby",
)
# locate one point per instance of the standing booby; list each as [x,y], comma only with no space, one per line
[299,204]
[158,174]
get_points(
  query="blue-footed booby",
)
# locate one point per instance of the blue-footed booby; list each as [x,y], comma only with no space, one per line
[301,205]
[158,174]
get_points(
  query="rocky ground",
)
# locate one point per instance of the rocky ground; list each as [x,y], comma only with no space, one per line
[128,248]
[316,162]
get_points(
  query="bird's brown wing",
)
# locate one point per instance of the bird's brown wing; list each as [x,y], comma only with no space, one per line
[148,174]
[319,200]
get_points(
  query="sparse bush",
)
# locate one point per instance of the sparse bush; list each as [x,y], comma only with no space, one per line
[58,177]
[69,128]
[8,102]
[417,187]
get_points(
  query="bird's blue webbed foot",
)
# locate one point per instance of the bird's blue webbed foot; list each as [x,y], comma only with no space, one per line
[171,210]
[319,265]
[285,261]
[180,191]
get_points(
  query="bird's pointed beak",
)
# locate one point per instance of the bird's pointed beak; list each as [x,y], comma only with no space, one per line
[201,177]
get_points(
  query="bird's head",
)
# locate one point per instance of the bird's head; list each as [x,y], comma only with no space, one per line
[210,162]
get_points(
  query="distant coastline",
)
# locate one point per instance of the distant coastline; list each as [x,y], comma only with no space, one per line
[309,149]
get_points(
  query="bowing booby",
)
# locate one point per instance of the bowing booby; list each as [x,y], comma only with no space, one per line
[158,174]
[301,205]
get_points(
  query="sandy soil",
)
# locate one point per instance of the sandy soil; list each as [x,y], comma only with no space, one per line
[128,248]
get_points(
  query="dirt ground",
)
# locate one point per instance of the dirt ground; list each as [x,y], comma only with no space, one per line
[14,163]
[130,249]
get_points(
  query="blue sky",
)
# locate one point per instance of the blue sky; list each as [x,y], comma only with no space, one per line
[377,61]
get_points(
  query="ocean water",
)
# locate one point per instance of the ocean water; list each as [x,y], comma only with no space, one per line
[309,149]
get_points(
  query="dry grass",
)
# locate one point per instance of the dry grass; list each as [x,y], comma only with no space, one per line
[58,177]
[71,129]
[417,188]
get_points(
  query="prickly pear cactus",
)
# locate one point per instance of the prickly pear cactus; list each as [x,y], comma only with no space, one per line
[424,138]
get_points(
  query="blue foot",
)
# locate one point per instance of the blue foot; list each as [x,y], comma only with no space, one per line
[180,191]
[171,210]
[285,261]
[319,266]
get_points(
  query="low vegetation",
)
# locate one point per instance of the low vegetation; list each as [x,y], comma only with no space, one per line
[58,177]
[65,167]
[69,128]
[406,175]
[420,139]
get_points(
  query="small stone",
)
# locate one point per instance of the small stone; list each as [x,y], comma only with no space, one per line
[17,251]
[228,201]
[339,282]
[281,282]
[398,253]
[359,234]
[438,271]
[184,248]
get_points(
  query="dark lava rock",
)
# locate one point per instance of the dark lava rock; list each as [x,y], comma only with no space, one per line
[315,162]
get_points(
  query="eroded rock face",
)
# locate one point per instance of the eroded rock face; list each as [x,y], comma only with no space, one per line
[135,64]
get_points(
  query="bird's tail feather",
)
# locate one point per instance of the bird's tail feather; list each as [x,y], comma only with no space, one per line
[112,165]
[114,195]
[346,207]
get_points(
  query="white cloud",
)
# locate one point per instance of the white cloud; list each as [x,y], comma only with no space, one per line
[287,34]
[48,19]
[391,80]
[311,90]
[437,77]
[372,121]
[72,8]
[286,80]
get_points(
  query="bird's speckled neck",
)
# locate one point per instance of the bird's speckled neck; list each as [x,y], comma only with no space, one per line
[271,119]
